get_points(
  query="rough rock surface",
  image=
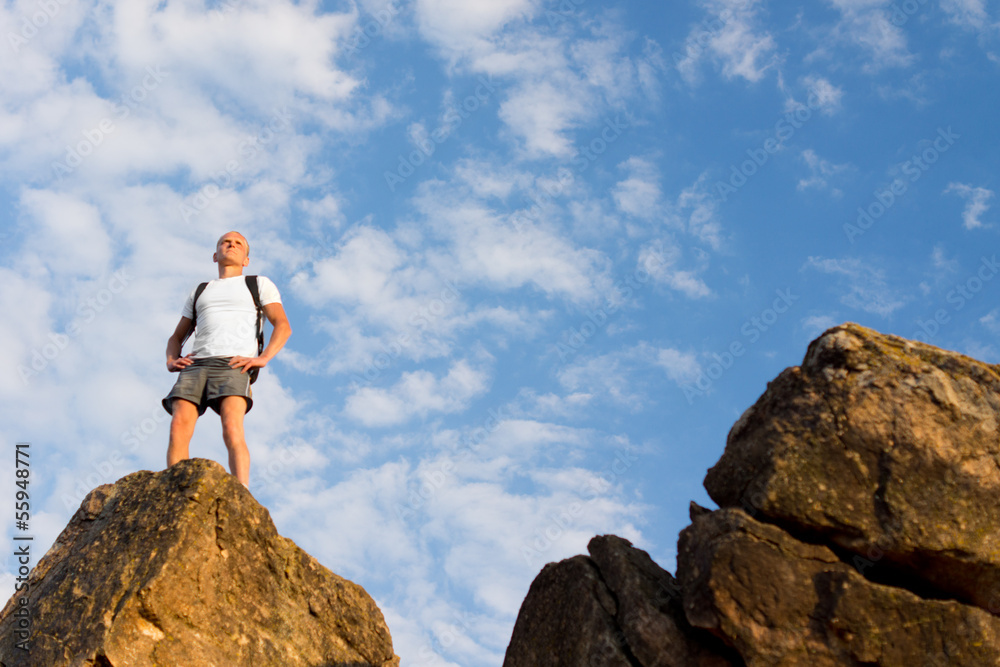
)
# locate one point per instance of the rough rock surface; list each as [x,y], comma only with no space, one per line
[882,446]
[184,567]
[615,608]
[780,601]
[859,525]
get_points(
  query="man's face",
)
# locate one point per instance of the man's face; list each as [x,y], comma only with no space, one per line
[232,249]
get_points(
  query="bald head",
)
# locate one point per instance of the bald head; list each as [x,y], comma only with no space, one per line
[237,234]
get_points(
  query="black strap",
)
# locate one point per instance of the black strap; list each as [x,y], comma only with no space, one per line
[251,282]
[194,311]
[255,293]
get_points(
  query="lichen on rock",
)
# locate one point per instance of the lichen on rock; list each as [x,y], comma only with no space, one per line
[184,567]
[859,524]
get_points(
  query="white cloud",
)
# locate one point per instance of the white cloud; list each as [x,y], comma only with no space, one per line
[382,303]
[27,334]
[541,113]
[361,271]
[662,258]
[814,325]
[558,70]
[620,376]
[32,51]
[487,245]
[639,194]
[823,95]
[417,394]
[732,38]
[361,284]
[565,85]
[326,212]
[159,111]
[681,367]
[554,405]
[279,47]
[970,14]
[444,296]
[604,377]
[517,441]
[69,237]
[867,25]
[462,25]
[697,210]
[943,265]
[863,286]
[991,321]
[821,171]
[977,202]
[484,523]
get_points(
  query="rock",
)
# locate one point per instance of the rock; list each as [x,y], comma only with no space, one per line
[567,619]
[781,601]
[615,608]
[859,525]
[184,567]
[885,448]
[649,611]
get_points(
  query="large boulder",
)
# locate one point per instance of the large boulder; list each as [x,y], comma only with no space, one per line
[184,567]
[859,524]
[780,601]
[616,608]
[885,448]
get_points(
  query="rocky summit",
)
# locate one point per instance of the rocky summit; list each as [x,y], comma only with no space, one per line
[184,567]
[858,524]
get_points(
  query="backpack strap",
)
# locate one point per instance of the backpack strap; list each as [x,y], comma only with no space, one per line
[194,311]
[251,282]
[255,293]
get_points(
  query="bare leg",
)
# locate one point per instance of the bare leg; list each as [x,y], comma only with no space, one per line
[233,409]
[185,414]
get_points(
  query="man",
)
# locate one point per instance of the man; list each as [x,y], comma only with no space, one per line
[216,372]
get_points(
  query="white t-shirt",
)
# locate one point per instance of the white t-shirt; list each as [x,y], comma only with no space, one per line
[227,318]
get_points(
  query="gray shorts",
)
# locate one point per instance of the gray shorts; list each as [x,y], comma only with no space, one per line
[206,382]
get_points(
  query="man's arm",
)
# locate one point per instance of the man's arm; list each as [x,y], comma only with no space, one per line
[175,362]
[275,314]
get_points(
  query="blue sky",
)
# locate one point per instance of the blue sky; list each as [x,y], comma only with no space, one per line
[538,255]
